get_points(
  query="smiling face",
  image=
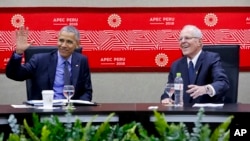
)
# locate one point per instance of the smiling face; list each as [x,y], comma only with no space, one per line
[67,43]
[190,41]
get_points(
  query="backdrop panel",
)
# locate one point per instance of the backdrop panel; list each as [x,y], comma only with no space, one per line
[128,39]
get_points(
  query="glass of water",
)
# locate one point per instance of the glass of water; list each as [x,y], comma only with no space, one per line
[68,92]
[169,89]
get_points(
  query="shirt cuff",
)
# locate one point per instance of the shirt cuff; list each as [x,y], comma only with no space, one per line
[17,56]
[210,90]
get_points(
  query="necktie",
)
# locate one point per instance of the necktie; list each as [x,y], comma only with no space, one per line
[191,72]
[66,75]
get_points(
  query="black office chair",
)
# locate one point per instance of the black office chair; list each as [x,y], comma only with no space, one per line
[230,62]
[34,50]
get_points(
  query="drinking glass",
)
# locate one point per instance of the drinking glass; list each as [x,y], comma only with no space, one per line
[169,89]
[68,92]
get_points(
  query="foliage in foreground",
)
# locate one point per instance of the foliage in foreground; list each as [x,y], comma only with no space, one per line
[51,129]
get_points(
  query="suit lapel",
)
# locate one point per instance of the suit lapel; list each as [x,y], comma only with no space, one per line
[52,68]
[75,66]
[184,75]
[199,65]
[184,70]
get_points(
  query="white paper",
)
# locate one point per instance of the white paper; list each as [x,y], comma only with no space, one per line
[22,106]
[47,108]
[40,102]
[153,107]
[80,101]
[208,105]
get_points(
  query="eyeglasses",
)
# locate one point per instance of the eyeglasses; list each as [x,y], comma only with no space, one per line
[186,38]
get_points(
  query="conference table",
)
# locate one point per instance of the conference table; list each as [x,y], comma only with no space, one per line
[133,111]
[140,112]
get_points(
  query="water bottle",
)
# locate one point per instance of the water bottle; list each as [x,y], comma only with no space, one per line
[178,86]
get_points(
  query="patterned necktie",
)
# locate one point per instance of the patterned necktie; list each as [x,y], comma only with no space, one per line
[66,75]
[191,72]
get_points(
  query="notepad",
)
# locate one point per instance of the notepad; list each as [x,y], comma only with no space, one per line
[60,102]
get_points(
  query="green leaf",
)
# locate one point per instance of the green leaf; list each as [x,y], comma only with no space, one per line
[37,125]
[45,134]
[221,129]
[13,137]
[205,133]
[131,135]
[197,129]
[28,129]
[87,130]
[161,124]
[143,133]
[57,129]
[1,136]
[120,132]
[226,136]
[104,127]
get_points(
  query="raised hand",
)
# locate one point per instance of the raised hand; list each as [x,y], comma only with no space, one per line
[22,39]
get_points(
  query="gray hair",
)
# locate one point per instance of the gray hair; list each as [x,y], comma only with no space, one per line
[72,29]
[196,31]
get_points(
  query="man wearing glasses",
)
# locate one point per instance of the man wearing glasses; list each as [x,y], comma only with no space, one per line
[207,83]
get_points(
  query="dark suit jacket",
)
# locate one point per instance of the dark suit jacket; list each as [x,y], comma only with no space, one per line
[41,69]
[208,71]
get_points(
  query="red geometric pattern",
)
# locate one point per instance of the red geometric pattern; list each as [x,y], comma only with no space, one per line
[132,39]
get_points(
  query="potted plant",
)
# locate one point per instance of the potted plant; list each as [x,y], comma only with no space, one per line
[52,129]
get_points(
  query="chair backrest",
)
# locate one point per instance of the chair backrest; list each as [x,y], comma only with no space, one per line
[230,62]
[34,50]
